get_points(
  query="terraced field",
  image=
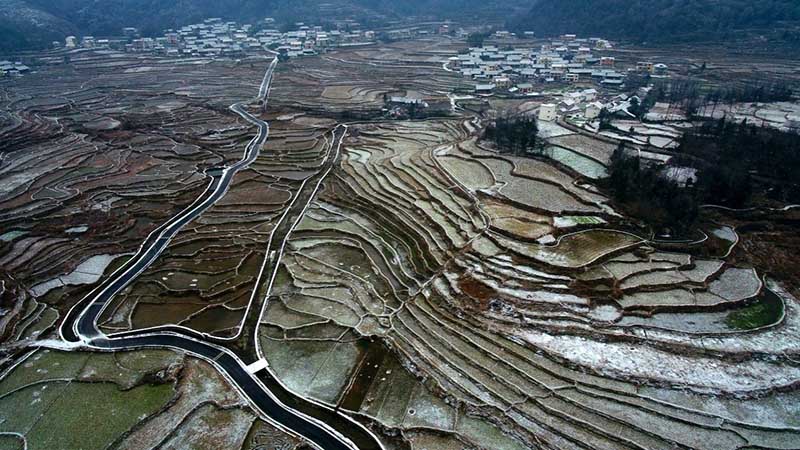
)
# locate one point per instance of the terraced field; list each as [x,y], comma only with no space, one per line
[94,162]
[133,400]
[513,300]
[441,294]
[417,242]
[205,279]
[351,83]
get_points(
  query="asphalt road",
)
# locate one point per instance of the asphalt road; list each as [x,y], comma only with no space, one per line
[259,396]
[80,325]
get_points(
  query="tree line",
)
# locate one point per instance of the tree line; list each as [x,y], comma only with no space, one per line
[693,97]
[731,154]
[643,191]
[732,161]
[658,20]
[513,135]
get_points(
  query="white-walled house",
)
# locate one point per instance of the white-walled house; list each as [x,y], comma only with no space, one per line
[593,110]
[547,112]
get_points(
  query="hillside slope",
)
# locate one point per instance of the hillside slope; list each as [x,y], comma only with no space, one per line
[662,20]
[108,17]
[23,26]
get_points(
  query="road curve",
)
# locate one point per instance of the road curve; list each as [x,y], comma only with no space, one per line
[80,324]
[257,394]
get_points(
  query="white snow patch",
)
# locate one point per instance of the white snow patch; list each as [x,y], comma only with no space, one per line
[546,239]
[58,344]
[607,313]
[703,374]
[87,272]
[77,230]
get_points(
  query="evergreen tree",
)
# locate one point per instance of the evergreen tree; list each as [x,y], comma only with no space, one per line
[516,136]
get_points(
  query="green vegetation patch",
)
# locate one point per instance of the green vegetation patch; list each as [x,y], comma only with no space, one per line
[762,313]
[585,220]
[20,409]
[11,442]
[321,369]
[92,415]
[46,399]
[127,369]
[47,319]
[44,365]
[487,434]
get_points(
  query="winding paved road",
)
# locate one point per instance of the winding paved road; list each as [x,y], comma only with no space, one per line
[322,426]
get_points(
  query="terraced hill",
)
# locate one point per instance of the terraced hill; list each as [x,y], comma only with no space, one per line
[435,291]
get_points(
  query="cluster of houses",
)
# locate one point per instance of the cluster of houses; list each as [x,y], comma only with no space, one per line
[212,37]
[424,30]
[587,104]
[215,37]
[310,40]
[8,68]
[72,42]
[583,102]
[567,60]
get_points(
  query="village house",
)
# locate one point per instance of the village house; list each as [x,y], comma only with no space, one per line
[525,88]
[567,60]
[213,38]
[547,112]
[645,66]
[407,101]
[607,61]
[130,32]
[592,110]
[502,82]
[589,94]
[13,68]
[484,89]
